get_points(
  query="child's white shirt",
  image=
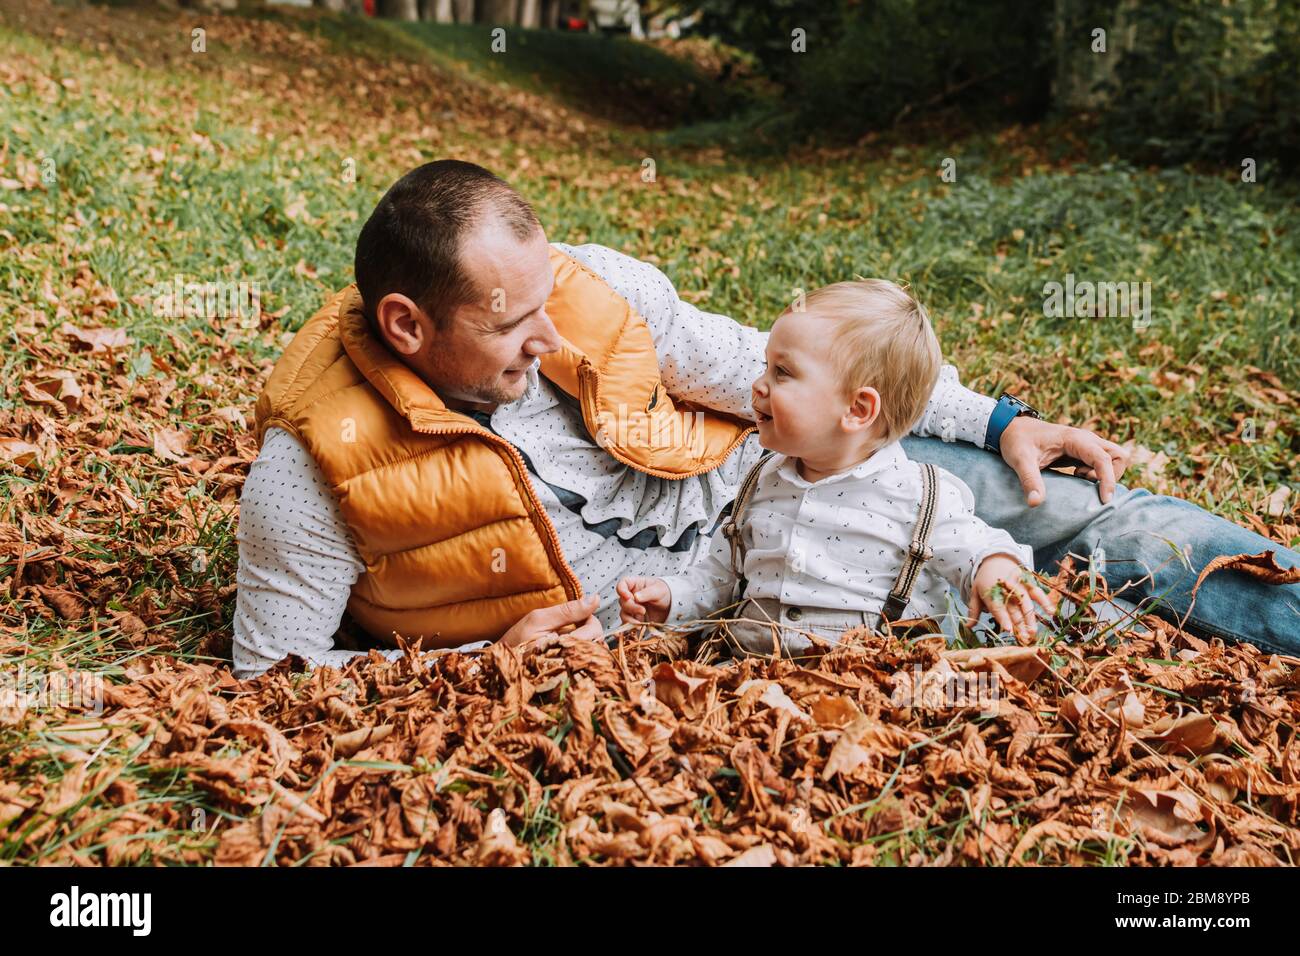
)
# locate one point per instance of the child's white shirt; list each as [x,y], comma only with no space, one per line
[839,543]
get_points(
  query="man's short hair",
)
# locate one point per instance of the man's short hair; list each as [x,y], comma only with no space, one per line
[411,243]
[881,338]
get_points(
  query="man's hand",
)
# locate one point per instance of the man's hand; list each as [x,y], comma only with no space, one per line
[644,599]
[541,628]
[1029,445]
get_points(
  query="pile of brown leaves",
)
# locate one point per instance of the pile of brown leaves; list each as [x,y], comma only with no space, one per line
[103,529]
[1162,750]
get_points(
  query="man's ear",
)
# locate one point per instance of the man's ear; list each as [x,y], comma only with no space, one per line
[863,410]
[404,325]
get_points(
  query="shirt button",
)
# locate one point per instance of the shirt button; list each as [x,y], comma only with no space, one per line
[794,613]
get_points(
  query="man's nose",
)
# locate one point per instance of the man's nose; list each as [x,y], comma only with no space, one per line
[545,340]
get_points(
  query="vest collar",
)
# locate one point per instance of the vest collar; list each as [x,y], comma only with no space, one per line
[392,378]
[410,394]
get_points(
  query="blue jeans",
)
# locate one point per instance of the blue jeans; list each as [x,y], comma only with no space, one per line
[1138,534]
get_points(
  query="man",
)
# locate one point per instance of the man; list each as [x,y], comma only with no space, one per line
[487,427]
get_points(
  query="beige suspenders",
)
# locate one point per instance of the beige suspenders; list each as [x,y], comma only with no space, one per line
[918,552]
[732,527]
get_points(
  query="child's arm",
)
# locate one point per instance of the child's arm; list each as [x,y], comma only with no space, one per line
[961,541]
[984,563]
[695,593]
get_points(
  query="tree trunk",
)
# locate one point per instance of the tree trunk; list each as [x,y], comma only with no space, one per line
[400,9]
[466,11]
[530,14]
[1080,72]
[501,13]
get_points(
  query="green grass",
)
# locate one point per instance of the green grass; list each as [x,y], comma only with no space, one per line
[160,171]
[612,77]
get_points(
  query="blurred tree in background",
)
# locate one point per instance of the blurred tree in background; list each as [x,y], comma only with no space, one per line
[1210,80]
[1165,81]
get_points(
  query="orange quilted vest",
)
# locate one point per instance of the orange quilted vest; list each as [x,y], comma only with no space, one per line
[443,512]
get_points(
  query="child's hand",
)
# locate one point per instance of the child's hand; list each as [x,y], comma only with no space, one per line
[644,599]
[1007,591]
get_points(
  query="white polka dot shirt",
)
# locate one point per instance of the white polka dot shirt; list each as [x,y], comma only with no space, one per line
[839,543]
[297,561]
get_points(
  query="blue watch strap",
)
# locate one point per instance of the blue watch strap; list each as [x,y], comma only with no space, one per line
[1003,413]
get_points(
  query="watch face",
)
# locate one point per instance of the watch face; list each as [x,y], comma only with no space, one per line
[1023,406]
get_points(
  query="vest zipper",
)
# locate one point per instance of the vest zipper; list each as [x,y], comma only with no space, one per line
[572,586]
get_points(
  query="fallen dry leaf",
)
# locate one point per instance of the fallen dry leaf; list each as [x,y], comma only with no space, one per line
[1025,664]
[98,339]
[61,384]
[38,396]
[1262,566]
[19,452]
[70,606]
[773,696]
[345,745]
[1193,733]
[1168,817]
[1276,504]
[231,414]
[762,855]
[170,443]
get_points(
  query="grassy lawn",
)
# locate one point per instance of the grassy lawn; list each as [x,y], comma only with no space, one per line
[127,160]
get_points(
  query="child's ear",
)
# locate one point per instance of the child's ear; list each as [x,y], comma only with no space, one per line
[863,410]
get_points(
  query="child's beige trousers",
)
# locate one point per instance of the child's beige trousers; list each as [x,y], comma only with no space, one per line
[765,627]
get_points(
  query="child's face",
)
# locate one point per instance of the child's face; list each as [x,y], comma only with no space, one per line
[801,409]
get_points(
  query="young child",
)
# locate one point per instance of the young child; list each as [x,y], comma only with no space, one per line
[840,527]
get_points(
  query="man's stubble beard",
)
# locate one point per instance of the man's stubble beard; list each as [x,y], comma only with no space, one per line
[484,392]
[439,370]
[491,394]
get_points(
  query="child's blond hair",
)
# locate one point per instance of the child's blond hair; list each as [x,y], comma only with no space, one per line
[881,338]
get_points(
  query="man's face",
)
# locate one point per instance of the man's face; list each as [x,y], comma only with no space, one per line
[482,357]
[797,400]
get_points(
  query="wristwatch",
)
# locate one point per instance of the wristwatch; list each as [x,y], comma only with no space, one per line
[1004,413]
[1007,408]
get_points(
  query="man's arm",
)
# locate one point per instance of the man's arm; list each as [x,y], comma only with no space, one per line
[297,563]
[954,412]
[712,360]
[704,358]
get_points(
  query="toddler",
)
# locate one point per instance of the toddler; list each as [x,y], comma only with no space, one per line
[836,527]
